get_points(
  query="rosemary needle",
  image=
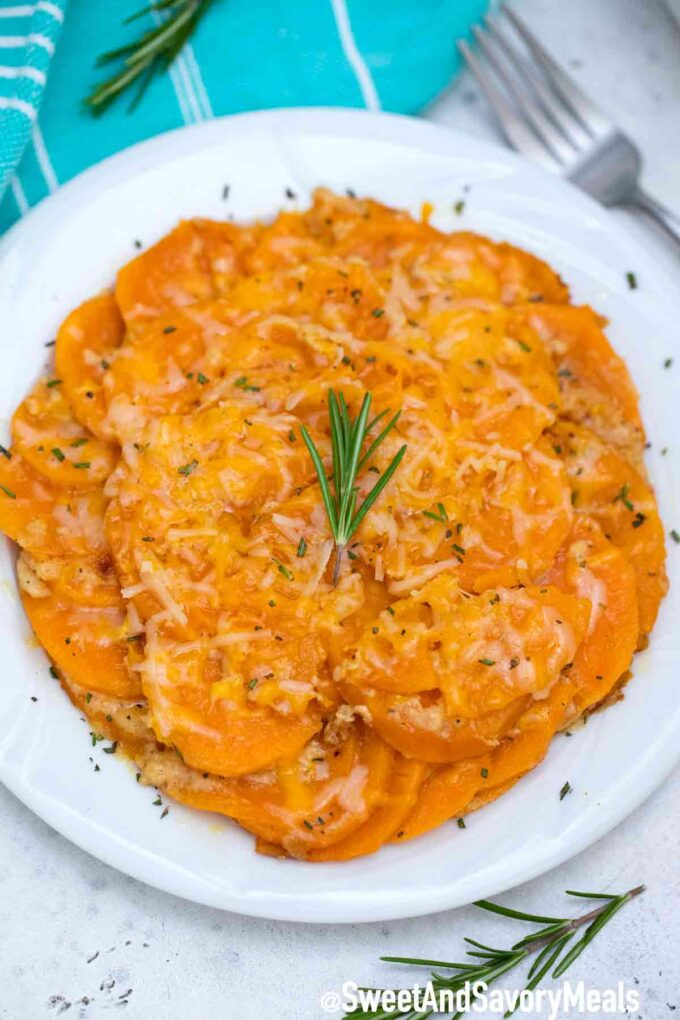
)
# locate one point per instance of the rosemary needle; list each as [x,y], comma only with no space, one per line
[153,50]
[486,963]
[347,442]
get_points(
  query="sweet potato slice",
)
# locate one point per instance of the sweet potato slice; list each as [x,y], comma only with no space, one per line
[47,435]
[481,651]
[597,389]
[449,791]
[85,342]
[307,804]
[406,778]
[590,566]
[89,644]
[607,487]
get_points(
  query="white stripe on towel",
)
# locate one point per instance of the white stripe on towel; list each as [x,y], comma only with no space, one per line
[15,42]
[23,72]
[44,161]
[12,103]
[354,58]
[19,196]
[27,10]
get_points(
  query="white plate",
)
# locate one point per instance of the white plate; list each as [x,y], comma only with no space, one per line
[70,247]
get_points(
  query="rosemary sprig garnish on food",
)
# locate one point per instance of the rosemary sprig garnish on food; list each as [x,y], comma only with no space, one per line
[347,442]
[153,50]
[486,963]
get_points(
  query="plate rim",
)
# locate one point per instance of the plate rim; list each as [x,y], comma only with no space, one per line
[327,907]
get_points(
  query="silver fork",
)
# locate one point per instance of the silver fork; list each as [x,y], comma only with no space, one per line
[547,117]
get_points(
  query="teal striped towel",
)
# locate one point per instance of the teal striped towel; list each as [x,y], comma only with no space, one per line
[245,55]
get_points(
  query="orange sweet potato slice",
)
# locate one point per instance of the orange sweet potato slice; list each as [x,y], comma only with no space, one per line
[85,643]
[406,778]
[607,487]
[47,435]
[590,566]
[449,791]
[85,342]
[597,389]
[481,651]
[307,804]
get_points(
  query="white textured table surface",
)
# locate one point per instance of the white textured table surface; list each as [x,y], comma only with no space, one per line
[78,939]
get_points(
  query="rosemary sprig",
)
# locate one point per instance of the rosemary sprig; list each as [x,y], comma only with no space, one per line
[153,50]
[347,441]
[487,963]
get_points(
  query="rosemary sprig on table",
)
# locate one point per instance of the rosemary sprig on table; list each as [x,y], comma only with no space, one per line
[153,50]
[347,441]
[551,942]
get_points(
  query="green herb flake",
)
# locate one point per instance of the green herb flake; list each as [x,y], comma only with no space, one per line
[631,279]
[8,492]
[302,548]
[53,673]
[668,362]
[567,788]
[51,383]
[675,536]
[5,452]
[461,823]
[56,452]
[459,207]
[78,442]
[377,313]
[242,384]
[201,379]
[484,773]
[186,469]
[487,662]
[283,569]
[524,346]
[252,684]
[112,749]
[170,329]
[82,465]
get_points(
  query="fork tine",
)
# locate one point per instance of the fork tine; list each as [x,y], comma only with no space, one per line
[546,131]
[514,128]
[588,112]
[561,114]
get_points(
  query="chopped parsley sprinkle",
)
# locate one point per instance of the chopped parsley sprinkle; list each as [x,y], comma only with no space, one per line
[302,548]
[668,362]
[112,749]
[170,329]
[461,823]
[283,569]
[53,673]
[458,548]
[675,536]
[291,436]
[96,737]
[622,496]
[524,346]
[390,610]
[58,454]
[164,812]
[8,492]
[82,465]
[632,280]
[484,773]
[378,312]
[242,384]
[567,788]
[252,683]
[441,515]
[514,662]
[5,452]
[186,469]
[134,637]
[459,207]
[487,662]
[148,538]
[307,825]
[53,382]
[88,697]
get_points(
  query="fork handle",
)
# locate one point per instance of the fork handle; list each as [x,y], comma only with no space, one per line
[664,216]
